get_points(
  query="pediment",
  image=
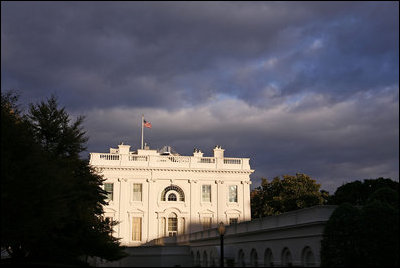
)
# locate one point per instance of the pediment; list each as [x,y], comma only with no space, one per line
[206,211]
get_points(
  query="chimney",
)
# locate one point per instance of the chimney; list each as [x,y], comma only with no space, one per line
[123,149]
[197,153]
[218,152]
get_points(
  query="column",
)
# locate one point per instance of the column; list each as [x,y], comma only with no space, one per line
[246,200]
[221,199]
[151,225]
[192,205]
[123,201]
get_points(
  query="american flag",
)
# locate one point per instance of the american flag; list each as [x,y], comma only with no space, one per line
[146,124]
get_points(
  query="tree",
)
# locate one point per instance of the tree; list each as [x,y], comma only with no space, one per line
[379,238]
[366,232]
[51,199]
[52,129]
[358,192]
[286,194]
[341,236]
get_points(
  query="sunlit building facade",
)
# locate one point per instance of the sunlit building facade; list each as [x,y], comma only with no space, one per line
[158,193]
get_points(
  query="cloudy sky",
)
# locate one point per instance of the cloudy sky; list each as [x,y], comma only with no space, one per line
[299,87]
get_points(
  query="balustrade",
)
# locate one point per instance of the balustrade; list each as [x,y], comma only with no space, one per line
[109,157]
[234,161]
[138,158]
[170,161]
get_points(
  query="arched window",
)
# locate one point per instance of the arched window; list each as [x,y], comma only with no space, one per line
[198,259]
[192,258]
[254,258]
[172,197]
[212,260]
[205,260]
[268,258]
[307,257]
[241,262]
[286,257]
[165,193]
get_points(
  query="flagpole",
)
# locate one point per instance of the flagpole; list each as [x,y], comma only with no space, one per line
[142,130]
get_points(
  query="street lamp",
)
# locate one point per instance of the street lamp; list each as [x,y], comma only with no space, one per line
[221,231]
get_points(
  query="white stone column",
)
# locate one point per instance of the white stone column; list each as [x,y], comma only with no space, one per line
[246,200]
[122,209]
[221,201]
[192,205]
[151,225]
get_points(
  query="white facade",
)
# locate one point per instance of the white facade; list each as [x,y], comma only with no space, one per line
[155,194]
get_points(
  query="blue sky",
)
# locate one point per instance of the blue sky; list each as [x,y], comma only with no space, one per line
[299,87]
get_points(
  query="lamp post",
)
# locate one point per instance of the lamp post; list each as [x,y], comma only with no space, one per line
[221,231]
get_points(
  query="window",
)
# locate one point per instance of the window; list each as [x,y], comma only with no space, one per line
[206,193]
[241,258]
[172,197]
[175,188]
[268,258]
[109,188]
[286,257]
[137,192]
[308,257]
[205,259]
[232,193]
[136,228]
[109,222]
[172,224]
[253,258]
[233,220]
[207,223]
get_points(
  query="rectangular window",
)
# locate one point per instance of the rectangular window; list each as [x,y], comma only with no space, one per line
[233,220]
[206,193]
[137,192]
[172,226]
[109,188]
[207,223]
[136,228]
[109,221]
[232,193]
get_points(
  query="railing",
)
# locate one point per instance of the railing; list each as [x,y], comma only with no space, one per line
[109,157]
[169,161]
[208,160]
[233,161]
[175,159]
[138,158]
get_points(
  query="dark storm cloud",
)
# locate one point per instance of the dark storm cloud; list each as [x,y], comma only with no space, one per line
[110,47]
[297,86]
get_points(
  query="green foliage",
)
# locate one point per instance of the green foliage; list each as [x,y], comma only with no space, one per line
[340,238]
[51,199]
[286,194]
[379,239]
[357,192]
[386,195]
[52,129]
[365,235]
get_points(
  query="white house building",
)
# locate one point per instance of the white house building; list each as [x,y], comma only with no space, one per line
[153,194]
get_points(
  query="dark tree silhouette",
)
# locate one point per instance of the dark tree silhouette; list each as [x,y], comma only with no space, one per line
[51,200]
[366,232]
